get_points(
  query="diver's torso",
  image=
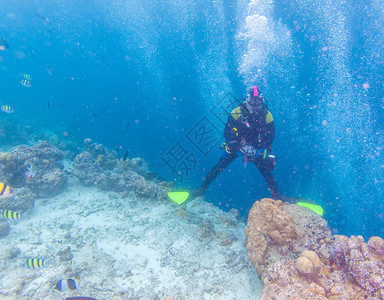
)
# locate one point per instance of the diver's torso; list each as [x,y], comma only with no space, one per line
[251,127]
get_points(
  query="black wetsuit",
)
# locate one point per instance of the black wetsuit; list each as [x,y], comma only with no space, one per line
[258,130]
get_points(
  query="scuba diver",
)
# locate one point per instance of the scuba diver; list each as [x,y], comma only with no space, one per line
[249,131]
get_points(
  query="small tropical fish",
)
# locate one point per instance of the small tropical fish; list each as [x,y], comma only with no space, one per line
[35,263]
[26,76]
[125,155]
[65,285]
[3,44]
[11,215]
[46,20]
[5,190]
[50,70]
[30,171]
[7,109]
[25,82]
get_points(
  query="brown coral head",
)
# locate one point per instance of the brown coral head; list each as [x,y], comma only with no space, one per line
[314,258]
[308,263]
[304,265]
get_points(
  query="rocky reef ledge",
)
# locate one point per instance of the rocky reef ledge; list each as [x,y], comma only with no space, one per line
[296,257]
[99,166]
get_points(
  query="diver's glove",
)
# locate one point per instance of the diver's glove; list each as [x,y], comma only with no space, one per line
[231,147]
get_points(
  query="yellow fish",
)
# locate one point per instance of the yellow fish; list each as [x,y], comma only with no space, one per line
[35,263]
[11,215]
[5,190]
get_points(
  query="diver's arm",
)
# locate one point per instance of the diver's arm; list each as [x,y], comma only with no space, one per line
[269,134]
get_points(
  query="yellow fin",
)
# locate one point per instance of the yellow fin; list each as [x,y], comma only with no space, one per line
[178,197]
[312,206]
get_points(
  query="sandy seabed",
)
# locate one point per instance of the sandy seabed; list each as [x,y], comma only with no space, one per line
[123,247]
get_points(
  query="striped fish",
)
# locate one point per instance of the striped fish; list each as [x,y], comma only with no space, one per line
[5,190]
[11,215]
[7,109]
[25,82]
[65,285]
[50,70]
[26,76]
[35,263]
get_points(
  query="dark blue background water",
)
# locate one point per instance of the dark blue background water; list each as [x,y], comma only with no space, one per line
[154,77]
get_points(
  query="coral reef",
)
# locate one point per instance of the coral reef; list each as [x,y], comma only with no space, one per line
[364,262]
[296,257]
[5,156]
[49,184]
[37,168]
[276,230]
[351,273]
[21,200]
[308,263]
[99,166]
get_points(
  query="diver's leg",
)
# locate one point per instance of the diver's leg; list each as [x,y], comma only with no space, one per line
[224,162]
[265,167]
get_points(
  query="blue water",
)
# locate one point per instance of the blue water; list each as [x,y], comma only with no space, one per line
[154,78]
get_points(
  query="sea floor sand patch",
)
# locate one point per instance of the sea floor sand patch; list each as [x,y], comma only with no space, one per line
[118,247]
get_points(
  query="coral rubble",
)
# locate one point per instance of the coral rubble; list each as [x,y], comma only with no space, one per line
[296,257]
